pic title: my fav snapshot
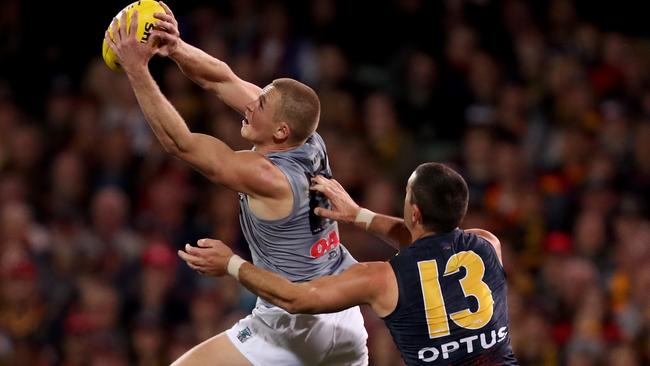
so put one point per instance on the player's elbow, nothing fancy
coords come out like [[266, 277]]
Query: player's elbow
[[169, 145], [178, 146], [177, 150], [182, 147], [171, 148]]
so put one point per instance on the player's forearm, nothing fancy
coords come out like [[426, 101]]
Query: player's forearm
[[199, 66], [214, 75], [391, 229], [166, 123], [276, 289]]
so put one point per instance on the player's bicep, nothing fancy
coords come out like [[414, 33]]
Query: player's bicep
[[242, 171], [257, 176]]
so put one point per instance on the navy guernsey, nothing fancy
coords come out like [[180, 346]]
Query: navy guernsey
[[452, 307]]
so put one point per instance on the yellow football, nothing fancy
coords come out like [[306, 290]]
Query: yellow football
[[146, 10]]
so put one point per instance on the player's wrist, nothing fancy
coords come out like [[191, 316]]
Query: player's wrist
[[137, 71], [176, 50], [234, 264], [364, 218]]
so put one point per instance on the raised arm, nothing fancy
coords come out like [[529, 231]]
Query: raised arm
[[208, 72], [246, 171], [363, 283], [344, 209]]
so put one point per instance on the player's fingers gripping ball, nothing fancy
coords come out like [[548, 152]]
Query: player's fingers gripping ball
[[146, 9]]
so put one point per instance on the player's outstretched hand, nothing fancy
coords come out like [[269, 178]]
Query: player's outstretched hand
[[209, 258], [132, 54], [166, 35], [343, 206]]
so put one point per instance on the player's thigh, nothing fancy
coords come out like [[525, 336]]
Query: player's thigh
[[217, 350]]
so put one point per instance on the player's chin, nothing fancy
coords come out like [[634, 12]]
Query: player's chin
[[245, 132]]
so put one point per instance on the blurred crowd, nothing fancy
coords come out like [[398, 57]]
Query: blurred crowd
[[545, 113]]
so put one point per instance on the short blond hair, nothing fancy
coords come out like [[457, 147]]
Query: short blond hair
[[299, 107]]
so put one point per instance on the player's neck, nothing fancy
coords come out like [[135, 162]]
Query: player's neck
[[420, 232], [271, 148]]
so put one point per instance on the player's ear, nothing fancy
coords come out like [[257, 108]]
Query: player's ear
[[282, 131], [416, 214]]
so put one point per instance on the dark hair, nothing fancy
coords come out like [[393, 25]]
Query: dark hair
[[299, 107], [441, 195]]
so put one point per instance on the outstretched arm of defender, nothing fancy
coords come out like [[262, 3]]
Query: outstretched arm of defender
[[344, 209], [208, 72], [363, 283]]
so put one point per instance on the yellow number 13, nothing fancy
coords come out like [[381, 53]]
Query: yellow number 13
[[472, 285]]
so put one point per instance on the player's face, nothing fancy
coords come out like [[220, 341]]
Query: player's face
[[258, 125]]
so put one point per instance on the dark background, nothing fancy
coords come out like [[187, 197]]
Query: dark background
[[542, 106]]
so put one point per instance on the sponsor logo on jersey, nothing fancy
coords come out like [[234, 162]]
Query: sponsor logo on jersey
[[470, 344], [324, 245]]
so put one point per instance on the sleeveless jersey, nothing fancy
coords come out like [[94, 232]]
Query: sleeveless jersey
[[452, 307], [301, 246]]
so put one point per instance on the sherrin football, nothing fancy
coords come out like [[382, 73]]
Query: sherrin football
[[146, 10]]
